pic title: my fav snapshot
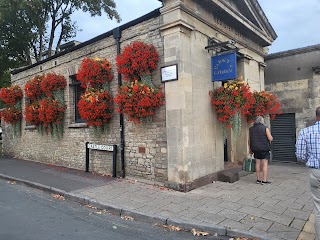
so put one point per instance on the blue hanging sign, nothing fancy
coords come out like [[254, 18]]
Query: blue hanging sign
[[224, 67]]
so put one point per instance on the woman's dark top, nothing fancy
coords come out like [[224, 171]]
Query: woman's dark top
[[258, 138]]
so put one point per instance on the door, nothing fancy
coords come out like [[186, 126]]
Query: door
[[283, 130]]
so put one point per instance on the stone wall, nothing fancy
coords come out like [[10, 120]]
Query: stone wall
[[301, 97], [195, 139], [294, 77], [150, 138]]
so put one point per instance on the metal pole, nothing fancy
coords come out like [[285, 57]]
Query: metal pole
[[114, 161], [87, 157]]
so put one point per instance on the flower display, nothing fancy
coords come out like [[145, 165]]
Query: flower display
[[51, 111], [45, 108], [96, 107], [96, 104], [138, 100], [33, 87], [94, 72], [264, 104], [32, 113], [12, 115], [136, 60], [231, 99], [11, 95], [52, 82]]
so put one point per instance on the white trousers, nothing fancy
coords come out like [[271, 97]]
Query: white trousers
[[315, 191]]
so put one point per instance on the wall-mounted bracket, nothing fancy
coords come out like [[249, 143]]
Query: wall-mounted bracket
[[221, 47]]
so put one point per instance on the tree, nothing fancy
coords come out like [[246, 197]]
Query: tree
[[28, 28]]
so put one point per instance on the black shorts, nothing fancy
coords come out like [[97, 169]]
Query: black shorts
[[262, 155]]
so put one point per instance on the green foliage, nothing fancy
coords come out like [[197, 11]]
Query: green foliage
[[236, 124], [29, 28], [5, 79]]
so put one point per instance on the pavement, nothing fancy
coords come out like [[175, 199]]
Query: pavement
[[281, 210]]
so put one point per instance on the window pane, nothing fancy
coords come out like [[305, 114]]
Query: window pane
[[78, 91]]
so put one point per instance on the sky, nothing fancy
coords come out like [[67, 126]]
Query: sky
[[296, 22]]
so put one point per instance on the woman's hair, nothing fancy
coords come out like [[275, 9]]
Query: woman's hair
[[259, 119]]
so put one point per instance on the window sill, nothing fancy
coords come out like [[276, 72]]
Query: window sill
[[30, 127], [77, 125]]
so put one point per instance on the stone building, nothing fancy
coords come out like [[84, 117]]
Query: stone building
[[183, 146], [294, 77]]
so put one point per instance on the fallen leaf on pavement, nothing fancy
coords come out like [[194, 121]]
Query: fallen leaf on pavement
[[198, 233], [98, 212], [89, 206], [174, 228], [57, 196], [127, 218], [170, 227]]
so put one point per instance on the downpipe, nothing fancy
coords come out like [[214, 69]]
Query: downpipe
[[117, 37]]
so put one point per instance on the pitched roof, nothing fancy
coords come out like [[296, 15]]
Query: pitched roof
[[246, 16]]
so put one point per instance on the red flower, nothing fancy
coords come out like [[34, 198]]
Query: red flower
[[232, 97], [33, 88], [52, 82], [138, 100], [51, 111], [94, 72], [11, 95], [11, 115], [32, 113], [136, 60], [96, 107], [264, 104]]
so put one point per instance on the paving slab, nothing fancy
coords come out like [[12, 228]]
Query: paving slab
[[277, 211]]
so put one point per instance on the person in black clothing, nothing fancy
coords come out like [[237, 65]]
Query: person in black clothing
[[259, 144]]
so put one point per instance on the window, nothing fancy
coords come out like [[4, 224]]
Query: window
[[77, 92], [27, 102]]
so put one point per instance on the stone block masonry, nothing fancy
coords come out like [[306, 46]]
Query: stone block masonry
[[69, 151]]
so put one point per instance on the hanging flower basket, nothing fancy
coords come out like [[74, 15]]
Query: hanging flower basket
[[96, 107], [136, 60], [94, 72], [46, 107], [232, 97], [12, 115], [11, 95], [33, 88], [138, 100], [32, 113], [231, 102], [264, 104], [51, 111], [52, 82], [51, 114]]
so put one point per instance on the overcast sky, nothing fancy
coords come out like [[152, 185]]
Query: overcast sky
[[296, 22]]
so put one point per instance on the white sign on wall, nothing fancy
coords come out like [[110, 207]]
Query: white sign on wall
[[169, 73]]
